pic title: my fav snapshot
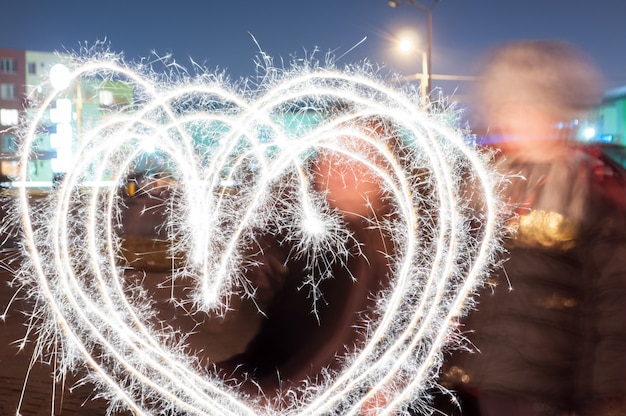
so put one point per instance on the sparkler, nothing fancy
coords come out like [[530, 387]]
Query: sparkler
[[213, 135]]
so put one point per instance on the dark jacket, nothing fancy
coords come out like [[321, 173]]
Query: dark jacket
[[546, 325], [300, 338]]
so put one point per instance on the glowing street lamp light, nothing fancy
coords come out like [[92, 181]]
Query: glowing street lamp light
[[60, 76], [405, 45]]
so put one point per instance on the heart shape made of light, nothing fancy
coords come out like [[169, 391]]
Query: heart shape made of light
[[210, 135]]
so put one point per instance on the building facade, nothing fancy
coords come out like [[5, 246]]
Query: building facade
[[21, 76], [12, 104], [24, 81]]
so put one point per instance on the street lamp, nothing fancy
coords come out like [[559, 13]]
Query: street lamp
[[61, 79], [429, 51], [406, 45]]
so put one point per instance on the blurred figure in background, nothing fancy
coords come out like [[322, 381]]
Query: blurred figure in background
[[301, 341], [547, 330]]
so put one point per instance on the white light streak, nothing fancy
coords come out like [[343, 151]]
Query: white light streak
[[73, 247]]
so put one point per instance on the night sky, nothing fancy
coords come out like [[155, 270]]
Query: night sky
[[220, 34]]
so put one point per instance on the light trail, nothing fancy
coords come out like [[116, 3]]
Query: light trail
[[76, 272]]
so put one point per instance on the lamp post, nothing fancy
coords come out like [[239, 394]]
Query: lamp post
[[429, 50], [406, 45]]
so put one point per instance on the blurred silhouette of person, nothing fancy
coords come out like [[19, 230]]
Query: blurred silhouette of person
[[547, 330], [301, 341]]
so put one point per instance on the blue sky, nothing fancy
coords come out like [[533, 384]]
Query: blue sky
[[220, 34]]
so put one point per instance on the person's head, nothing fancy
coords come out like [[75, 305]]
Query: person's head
[[351, 186], [527, 88]]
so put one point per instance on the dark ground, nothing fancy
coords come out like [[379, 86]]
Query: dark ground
[[29, 385]]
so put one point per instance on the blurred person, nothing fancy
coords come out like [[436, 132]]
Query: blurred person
[[547, 330], [300, 341]]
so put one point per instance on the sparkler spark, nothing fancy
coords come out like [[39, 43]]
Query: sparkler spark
[[212, 136]]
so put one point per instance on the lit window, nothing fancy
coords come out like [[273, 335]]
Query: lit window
[[63, 111], [9, 169], [7, 65], [32, 68], [8, 116], [7, 91], [106, 98], [9, 144]]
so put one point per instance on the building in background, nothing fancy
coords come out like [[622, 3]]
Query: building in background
[[12, 103], [21, 79], [610, 117], [24, 79]]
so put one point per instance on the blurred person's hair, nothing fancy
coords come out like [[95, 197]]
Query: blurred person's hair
[[550, 76]]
